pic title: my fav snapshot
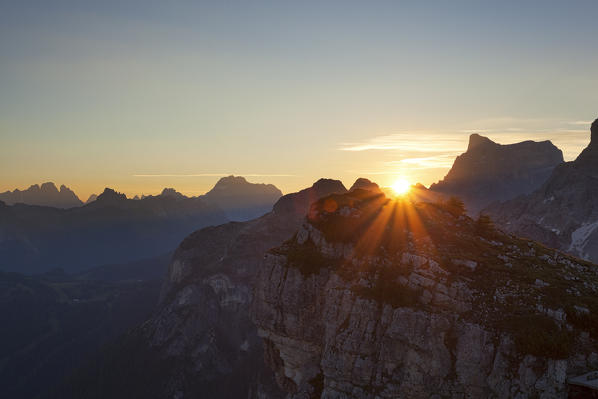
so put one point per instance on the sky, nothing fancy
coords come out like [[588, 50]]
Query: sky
[[141, 95]]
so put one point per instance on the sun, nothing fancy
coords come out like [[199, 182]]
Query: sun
[[400, 187]]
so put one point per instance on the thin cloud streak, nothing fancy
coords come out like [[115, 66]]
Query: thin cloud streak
[[212, 175], [415, 141], [431, 162]]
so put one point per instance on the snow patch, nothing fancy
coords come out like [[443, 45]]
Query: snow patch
[[579, 238]]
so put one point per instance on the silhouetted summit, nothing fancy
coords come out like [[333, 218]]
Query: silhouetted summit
[[476, 140], [45, 195], [240, 199], [590, 154], [490, 172], [365, 184], [299, 203], [110, 196], [171, 192]]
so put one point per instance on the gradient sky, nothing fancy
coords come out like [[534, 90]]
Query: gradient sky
[[139, 95]]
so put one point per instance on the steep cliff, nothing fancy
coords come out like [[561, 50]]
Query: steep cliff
[[563, 212], [200, 341], [383, 299], [489, 172]]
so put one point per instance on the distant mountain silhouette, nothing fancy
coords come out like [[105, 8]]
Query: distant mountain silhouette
[[171, 192], [45, 195], [242, 200], [111, 229], [563, 212], [489, 172]]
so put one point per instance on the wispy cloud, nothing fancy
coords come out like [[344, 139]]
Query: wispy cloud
[[580, 123], [413, 141], [211, 175], [430, 162]]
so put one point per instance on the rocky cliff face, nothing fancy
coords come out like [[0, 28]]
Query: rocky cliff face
[[201, 341], [489, 172], [45, 195], [563, 212], [380, 299]]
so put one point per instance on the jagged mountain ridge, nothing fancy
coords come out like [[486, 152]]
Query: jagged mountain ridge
[[380, 299], [489, 172], [111, 229], [45, 194], [200, 341], [563, 212]]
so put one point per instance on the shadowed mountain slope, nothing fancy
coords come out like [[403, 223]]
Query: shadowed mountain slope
[[53, 323]]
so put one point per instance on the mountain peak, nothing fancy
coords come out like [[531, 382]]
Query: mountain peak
[[329, 186], [365, 184], [232, 179], [109, 195], [299, 203], [476, 140], [48, 187], [45, 194], [240, 199], [589, 156], [171, 192], [489, 171]]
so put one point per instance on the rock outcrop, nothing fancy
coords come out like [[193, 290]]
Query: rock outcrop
[[45, 195], [563, 212], [489, 172], [381, 299], [242, 200]]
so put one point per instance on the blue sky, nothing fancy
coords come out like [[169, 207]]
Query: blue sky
[[141, 95]]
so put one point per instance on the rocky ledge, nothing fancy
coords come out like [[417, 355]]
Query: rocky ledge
[[374, 298]]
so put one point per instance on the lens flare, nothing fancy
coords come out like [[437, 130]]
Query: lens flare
[[401, 187]]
